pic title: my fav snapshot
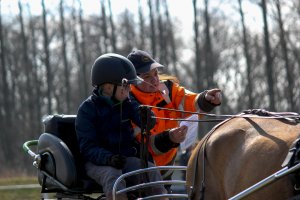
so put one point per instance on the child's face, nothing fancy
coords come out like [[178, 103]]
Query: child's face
[[122, 92]]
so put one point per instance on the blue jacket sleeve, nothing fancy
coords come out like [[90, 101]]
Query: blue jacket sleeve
[[87, 135]]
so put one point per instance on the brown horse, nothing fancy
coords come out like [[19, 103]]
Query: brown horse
[[240, 152]]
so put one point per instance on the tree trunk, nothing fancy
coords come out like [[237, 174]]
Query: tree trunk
[[36, 83], [65, 61], [142, 27], [83, 57], [198, 67], [27, 97], [104, 26], [47, 59], [289, 70], [163, 55], [112, 25], [6, 116], [78, 55], [172, 40], [269, 60], [152, 29], [249, 88], [208, 54]]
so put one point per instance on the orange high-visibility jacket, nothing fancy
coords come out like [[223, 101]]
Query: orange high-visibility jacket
[[171, 95]]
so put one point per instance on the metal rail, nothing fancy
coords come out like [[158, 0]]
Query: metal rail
[[270, 179], [143, 185], [26, 146]]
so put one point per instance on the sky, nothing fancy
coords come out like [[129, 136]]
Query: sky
[[181, 9]]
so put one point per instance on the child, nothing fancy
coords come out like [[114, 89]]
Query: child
[[104, 129]]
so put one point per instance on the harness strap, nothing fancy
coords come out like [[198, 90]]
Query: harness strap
[[204, 157]]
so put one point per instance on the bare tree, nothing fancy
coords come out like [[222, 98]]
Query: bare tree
[[104, 26], [127, 32], [83, 71], [269, 60], [152, 29], [162, 45], [197, 47], [29, 101], [249, 87], [47, 59], [64, 55], [37, 126], [113, 37], [284, 49], [142, 26], [208, 52], [171, 37], [6, 116]]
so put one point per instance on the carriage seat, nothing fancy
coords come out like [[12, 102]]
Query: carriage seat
[[61, 169]]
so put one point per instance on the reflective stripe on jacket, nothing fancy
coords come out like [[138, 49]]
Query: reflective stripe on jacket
[[171, 96]]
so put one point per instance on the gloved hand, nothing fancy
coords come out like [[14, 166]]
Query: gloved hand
[[117, 161]]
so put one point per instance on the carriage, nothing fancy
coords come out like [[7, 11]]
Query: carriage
[[60, 169]]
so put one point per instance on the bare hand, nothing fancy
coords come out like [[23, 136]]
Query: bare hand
[[178, 134], [214, 96]]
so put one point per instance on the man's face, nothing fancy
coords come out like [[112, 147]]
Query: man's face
[[151, 81]]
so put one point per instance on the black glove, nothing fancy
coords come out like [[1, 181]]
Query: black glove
[[147, 116], [117, 161]]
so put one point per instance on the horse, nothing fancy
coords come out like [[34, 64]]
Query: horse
[[241, 151]]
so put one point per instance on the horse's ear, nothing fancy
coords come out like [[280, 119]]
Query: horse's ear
[[293, 156]]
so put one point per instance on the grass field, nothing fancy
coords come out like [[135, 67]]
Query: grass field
[[19, 194], [25, 193]]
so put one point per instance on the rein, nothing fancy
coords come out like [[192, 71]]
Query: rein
[[253, 113]]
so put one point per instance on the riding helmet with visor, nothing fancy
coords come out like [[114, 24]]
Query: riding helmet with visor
[[113, 68]]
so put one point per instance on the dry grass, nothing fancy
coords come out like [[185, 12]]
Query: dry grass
[[19, 194]]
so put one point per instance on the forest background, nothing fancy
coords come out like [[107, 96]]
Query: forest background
[[46, 57]]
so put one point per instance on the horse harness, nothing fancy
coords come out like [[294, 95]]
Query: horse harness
[[293, 156]]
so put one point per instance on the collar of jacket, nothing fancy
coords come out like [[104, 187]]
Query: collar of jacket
[[158, 98], [110, 101], [148, 98]]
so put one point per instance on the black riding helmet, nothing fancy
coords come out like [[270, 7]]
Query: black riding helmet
[[113, 68]]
